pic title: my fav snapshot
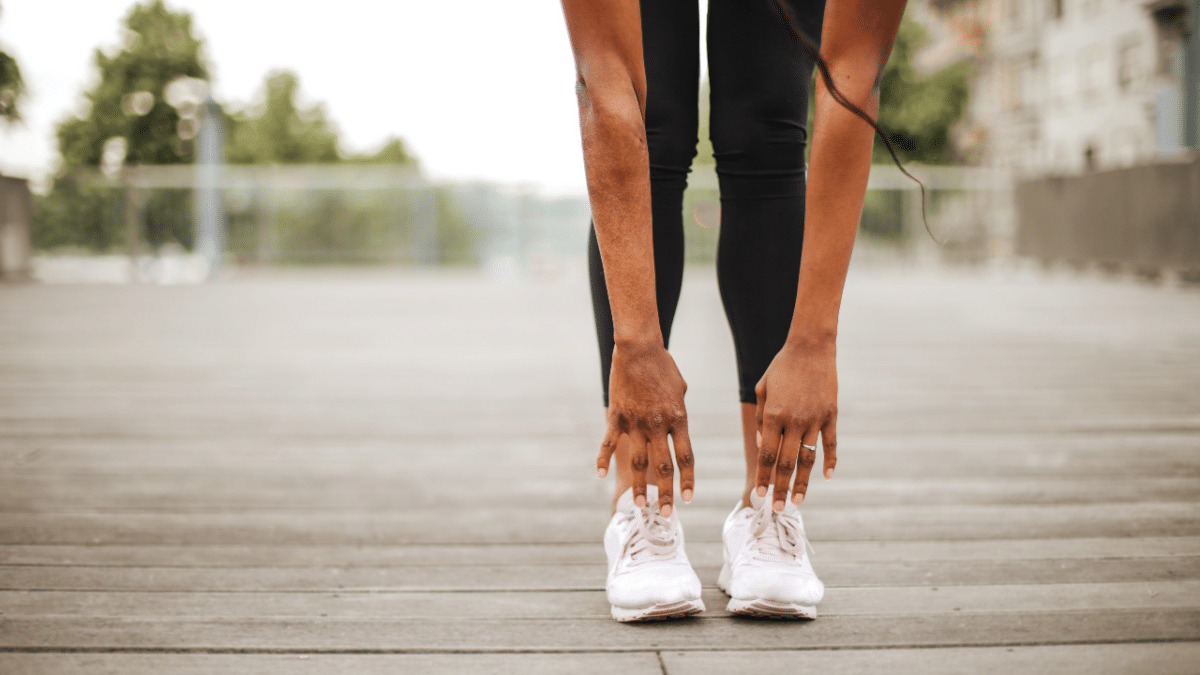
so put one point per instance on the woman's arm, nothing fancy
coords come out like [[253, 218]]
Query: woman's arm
[[797, 397], [645, 387]]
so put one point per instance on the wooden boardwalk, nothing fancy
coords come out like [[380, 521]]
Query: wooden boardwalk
[[370, 472]]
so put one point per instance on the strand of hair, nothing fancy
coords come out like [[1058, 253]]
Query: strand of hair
[[809, 47]]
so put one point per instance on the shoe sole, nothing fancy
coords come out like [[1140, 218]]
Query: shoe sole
[[670, 610], [770, 609], [762, 607]]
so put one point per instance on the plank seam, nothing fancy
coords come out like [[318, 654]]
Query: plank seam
[[418, 650]]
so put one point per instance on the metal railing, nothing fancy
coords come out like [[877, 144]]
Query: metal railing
[[370, 214]]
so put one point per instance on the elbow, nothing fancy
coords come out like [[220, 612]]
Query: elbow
[[605, 90]]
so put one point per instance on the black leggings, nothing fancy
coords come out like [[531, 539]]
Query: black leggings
[[759, 83]]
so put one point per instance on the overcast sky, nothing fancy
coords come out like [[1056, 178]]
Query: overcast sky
[[478, 88]]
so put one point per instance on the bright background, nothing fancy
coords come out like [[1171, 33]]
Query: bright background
[[478, 89]]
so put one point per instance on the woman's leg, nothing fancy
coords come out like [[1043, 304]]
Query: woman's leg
[[760, 83], [671, 48]]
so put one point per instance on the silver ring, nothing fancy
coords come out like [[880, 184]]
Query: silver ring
[[810, 447]]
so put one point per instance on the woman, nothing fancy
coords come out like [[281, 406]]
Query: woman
[[781, 267]]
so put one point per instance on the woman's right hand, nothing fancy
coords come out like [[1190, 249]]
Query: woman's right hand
[[645, 403]]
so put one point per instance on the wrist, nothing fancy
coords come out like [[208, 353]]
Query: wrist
[[810, 338], [639, 341]]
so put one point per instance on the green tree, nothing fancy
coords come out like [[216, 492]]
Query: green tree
[[280, 132], [394, 151], [127, 101], [127, 104], [918, 111], [12, 88]]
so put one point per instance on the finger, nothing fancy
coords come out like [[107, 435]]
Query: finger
[[607, 447], [685, 460], [768, 454], [789, 452], [808, 455], [829, 444], [664, 470], [760, 392], [637, 464]]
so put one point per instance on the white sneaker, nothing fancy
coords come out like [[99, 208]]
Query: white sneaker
[[649, 576], [766, 570]]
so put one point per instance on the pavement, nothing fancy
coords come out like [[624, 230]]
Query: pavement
[[382, 471]]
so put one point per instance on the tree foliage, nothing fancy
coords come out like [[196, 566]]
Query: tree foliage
[[129, 103], [158, 48], [12, 88], [279, 131], [918, 111]]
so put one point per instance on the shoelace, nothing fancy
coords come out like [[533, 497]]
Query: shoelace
[[653, 538], [777, 535]]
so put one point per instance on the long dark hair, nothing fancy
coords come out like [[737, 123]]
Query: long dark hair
[[810, 48]]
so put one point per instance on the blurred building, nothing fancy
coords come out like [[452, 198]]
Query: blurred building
[[1068, 86]]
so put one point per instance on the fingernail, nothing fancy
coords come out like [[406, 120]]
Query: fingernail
[[640, 500], [665, 511], [798, 498], [758, 439], [828, 474], [762, 491], [778, 506], [601, 473], [687, 495]]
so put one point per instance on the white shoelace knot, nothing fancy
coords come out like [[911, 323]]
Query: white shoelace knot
[[777, 536], [652, 537]]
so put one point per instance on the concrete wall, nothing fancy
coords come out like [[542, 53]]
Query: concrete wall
[[1147, 216], [16, 228]]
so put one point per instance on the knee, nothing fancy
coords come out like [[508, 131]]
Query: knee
[[671, 136], [760, 135]]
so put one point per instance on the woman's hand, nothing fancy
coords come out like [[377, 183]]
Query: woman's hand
[[646, 404], [797, 398]]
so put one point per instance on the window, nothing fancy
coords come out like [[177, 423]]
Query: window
[[1129, 63]]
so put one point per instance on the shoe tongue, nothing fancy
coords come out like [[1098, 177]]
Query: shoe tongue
[[625, 502]]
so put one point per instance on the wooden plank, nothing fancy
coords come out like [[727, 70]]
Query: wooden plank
[[525, 524], [644, 663], [831, 552], [1159, 658], [321, 634], [579, 576], [864, 601], [1178, 658], [218, 450], [190, 492], [1164, 659]]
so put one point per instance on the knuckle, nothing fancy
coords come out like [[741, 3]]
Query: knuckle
[[639, 463], [665, 469], [686, 460], [785, 466], [767, 459]]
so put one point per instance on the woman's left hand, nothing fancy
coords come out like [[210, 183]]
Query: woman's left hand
[[797, 399]]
